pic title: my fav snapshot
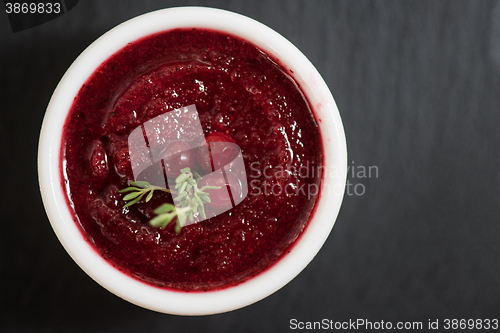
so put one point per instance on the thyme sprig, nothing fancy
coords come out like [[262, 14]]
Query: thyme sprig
[[191, 199], [138, 190], [166, 213]]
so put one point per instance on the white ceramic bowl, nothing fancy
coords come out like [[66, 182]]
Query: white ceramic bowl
[[192, 303]]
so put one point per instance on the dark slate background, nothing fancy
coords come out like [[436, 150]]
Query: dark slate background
[[417, 85]]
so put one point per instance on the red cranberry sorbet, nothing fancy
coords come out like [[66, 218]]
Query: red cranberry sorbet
[[238, 90]]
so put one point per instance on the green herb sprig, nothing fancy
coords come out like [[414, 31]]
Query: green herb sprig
[[166, 213], [138, 190], [191, 199]]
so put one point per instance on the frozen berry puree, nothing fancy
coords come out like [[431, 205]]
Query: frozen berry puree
[[242, 96]]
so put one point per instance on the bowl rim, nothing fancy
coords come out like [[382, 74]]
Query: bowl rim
[[165, 300]]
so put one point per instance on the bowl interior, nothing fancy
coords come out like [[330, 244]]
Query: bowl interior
[[256, 288]]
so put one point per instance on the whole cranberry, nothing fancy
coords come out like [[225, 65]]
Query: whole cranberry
[[177, 156], [98, 159], [218, 150], [230, 188]]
